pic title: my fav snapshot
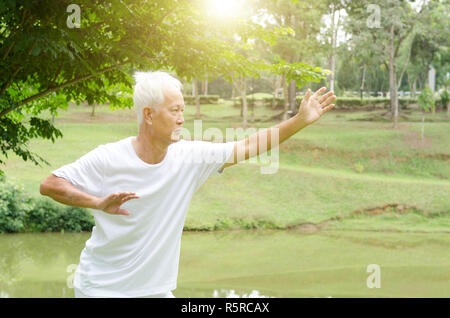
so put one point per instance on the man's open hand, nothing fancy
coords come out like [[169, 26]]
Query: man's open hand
[[315, 105], [111, 203]]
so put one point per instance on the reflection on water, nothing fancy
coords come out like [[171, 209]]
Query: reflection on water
[[251, 264], [225, 293], [35, 264]]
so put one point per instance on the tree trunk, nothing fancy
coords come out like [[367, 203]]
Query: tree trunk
[[286, 98], [411, 85], [392, 80], [252, 107], [363, 79], [197, 99], [292, 97], [420, 86], [413, 91], [233, 90], [334, 30], [432, 78], [404, 68], [244, 101], [93, 110], [332, 62], [277, 86], [205, 86], [332, 67]]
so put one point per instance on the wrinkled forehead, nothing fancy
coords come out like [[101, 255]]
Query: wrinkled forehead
[[172, 96]]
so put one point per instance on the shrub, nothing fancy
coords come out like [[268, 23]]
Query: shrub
[[45, 216], [204, 99], [356, 102], [445, 98], [344, 102], [50, 216], [77, 219], [426, 100], [13, 207], [404, 102], [340, 102], [20, 213], [275, 102]]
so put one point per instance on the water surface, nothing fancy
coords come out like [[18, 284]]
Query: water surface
[[252, 264]]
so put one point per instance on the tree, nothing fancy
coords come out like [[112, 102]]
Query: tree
[[45, 63], [335, 10], [302, 18], [300, 73], [387, 27], [430, 43]]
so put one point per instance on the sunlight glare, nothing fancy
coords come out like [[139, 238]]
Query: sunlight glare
[[224, 8]]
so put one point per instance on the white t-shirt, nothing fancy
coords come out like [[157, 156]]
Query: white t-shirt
[[138, 255]]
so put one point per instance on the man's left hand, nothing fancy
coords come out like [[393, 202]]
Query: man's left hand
[[315, 105]]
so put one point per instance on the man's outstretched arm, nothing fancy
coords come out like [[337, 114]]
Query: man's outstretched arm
[[64, 192], [313, 106]]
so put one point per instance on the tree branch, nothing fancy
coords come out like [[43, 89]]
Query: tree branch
[[401, 40], [22, 22], [55, 88], [404, 67], [6, 85], [52, 81], [155, 26], [418, 15], [51, 89]]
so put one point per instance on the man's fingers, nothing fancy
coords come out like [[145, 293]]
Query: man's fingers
[[307, 95], [127, 193], [319, 91], [121, 195], [324, 97], [123, 212], [325, 109], [329, 100], [129, 197]]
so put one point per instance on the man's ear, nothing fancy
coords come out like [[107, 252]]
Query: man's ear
[[148, 113]]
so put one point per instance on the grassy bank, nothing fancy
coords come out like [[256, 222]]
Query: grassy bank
[[345, 162]]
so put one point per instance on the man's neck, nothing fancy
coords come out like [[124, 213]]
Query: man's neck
[[149, 149]]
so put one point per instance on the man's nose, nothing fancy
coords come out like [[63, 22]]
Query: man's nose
[[180, 120]]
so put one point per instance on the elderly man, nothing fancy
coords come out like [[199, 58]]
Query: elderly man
[[139, 189]]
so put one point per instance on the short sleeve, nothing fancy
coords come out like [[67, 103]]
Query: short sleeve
[[210, 157], [86, 173]]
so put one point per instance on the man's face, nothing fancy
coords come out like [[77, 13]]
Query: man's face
[[168, 120]]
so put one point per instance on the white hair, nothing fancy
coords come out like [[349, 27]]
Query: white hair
[[149, 90]]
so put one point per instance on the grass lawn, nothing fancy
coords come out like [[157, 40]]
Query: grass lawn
[[345, 162]]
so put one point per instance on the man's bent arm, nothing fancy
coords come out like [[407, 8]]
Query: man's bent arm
[[64, 192]]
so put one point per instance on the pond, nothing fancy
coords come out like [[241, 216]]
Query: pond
[[253, 264]]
